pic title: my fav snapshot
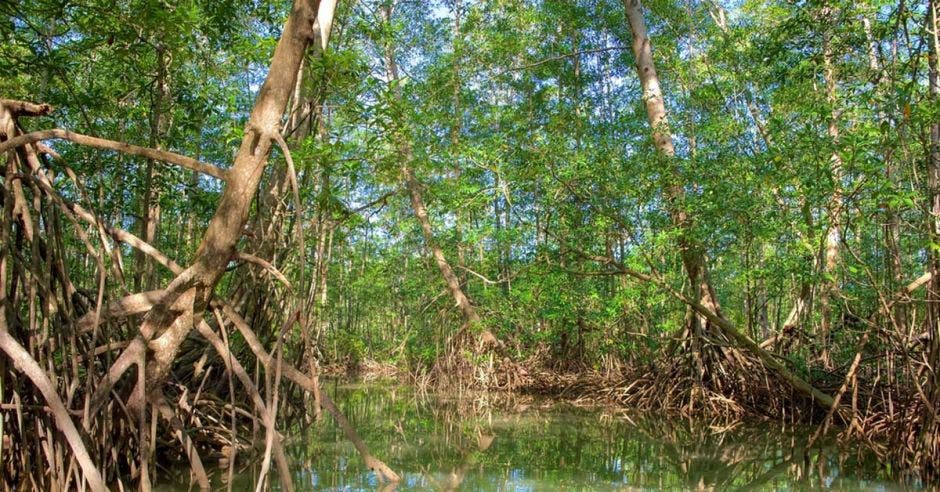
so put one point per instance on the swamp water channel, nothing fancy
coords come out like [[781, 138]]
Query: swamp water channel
[[463, 442]]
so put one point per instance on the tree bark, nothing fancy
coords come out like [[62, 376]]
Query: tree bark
[[691, 251], [833, 237]]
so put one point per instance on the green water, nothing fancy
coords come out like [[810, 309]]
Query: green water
[[443, 442]]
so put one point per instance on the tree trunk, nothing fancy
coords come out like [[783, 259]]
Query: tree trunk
[[305, 112], [691, 251], [930, 433], [420, 210], [150, 205], [833, 237]]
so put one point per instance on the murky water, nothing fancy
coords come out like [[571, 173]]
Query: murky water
[[445, 443]]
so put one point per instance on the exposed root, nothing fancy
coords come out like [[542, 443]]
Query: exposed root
[[86, 417]]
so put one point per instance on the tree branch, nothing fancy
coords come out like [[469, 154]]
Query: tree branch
[[26, 108], [126, 148]]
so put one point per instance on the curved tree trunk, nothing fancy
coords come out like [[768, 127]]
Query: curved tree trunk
[[706, 312], [172, 319]]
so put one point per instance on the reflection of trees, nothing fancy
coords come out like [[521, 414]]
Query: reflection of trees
[[454, 479], [486, 442], [747, 457]]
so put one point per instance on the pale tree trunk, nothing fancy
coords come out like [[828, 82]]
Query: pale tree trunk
[[706, 311], [414, 186], [304, 110], [832, 252], [269, 227], [326, 12], [691, 251], [185, 299]]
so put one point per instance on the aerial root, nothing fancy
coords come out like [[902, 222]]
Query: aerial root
[[104, 430]]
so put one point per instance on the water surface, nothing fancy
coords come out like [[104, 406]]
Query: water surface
[[446, 442]]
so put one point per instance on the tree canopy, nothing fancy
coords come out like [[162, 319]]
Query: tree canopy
[[692, 191]]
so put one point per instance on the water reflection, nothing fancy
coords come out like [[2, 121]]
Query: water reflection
[[446, 443]]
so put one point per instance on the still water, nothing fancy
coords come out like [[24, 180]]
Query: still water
[[446, 442]]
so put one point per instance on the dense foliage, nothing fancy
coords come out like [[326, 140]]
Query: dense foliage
[[803, 137]]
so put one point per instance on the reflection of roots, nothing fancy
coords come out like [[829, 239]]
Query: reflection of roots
[[706, 377]]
